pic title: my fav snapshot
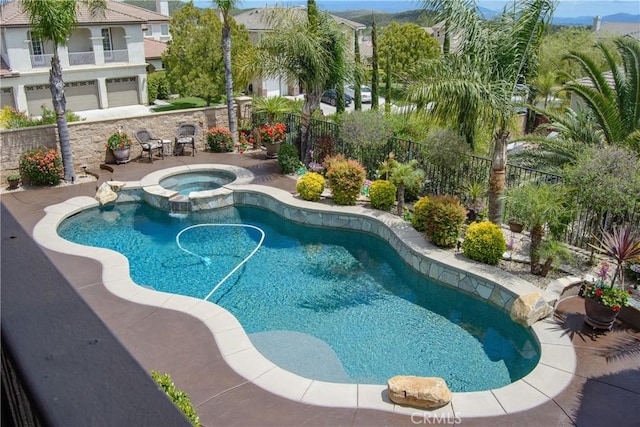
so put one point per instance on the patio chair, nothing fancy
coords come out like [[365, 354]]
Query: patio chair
[[186, 135], [149, 143]]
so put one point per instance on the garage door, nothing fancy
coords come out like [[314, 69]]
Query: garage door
[[6, 97], [37, 96], [80, 96], [121, 92]]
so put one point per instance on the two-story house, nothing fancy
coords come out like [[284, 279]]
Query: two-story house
[[257, 24], [103, 63]]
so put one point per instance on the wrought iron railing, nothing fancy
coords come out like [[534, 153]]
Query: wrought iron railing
[[452, 180]]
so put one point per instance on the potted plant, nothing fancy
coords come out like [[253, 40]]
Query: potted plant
[[120, 144], [13, 180], [272, 136], [602, 302]]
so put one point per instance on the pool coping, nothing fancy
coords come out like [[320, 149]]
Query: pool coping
[[551, 375]]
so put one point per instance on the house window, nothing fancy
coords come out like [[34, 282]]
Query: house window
[[36, 46], [107, 45], [164, 29], [148, 30]]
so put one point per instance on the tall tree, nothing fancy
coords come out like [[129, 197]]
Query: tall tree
[[225, 7], [301, 51], [406, 45], [357, 74], [54, 21], [374, 66], [194, 58], [477, 83]]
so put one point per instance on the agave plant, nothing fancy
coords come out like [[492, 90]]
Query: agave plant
[[623, 245]]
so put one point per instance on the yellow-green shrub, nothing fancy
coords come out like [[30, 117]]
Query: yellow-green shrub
[[419, 218], [382, 194], [484, 242], [310, 186], [345, 179], [178, 397], [444, 219]]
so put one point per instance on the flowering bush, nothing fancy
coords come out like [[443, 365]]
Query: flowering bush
[[41, 166], [345, 179], [244, 140], [119, 141], [219, 140], [484, 242], [614, 298], [272, 133]]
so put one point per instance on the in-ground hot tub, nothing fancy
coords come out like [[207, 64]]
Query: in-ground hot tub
[[194, 187]]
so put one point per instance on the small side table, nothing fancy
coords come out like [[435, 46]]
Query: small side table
[[166, 147]]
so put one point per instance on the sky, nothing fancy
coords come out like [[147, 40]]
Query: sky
[[566, 8]]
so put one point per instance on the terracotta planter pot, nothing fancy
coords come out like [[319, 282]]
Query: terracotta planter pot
[[597, 315], [13, 183]]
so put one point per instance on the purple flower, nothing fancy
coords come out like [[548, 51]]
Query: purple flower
[[604, 269], [511, 243]]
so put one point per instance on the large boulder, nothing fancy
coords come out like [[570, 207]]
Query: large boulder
[[105, 194], [421, 392], [528, 309]]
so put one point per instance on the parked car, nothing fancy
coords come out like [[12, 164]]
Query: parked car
[[365, 92], [330, 96]]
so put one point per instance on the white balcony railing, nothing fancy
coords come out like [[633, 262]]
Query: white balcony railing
[[116, 56], [81, 58], [38, 61]]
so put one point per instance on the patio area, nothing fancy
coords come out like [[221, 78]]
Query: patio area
[[604, 391]]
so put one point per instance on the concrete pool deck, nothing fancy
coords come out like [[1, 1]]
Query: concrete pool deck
[[224, 398]]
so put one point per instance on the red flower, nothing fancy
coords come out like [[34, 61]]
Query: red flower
[[616, 307], [599, 292]]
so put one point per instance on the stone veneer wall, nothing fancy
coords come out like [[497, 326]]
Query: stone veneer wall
[[88, 137]]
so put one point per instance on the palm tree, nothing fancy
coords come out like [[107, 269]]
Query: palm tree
[[616, 109], [302, 51], [476, 84], [54, 21], [403, 175], [225, 7]]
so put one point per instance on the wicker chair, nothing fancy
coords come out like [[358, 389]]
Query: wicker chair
[[149, 143], [186, 135]]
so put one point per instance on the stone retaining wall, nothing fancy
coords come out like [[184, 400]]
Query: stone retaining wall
[[88, 137]]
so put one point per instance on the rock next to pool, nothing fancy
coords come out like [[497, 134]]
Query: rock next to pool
[[530, 308], [421, 392]]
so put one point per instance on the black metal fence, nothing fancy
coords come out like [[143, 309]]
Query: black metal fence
[[451, 179]]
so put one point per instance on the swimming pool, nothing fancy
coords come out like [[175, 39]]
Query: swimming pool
[[318, 288]]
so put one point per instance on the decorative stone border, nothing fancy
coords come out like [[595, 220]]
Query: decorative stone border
[[552, 374]]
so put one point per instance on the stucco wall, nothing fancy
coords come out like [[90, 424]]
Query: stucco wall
[[88, 138]]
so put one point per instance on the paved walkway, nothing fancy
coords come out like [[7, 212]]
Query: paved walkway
[[602, 393]]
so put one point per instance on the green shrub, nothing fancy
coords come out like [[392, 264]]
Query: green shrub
[[10, 118], [310, 186], [484, 242], [157, 86], [382, 194], [419, 217], [179, 397], [345, 179], [219, 140], [445, 217], [41, 166], [288, 159]]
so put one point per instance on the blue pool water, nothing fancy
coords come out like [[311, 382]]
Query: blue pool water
[[329, 304], [185, 183]]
